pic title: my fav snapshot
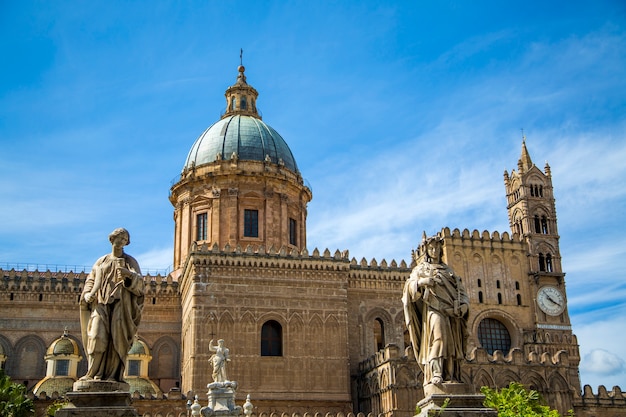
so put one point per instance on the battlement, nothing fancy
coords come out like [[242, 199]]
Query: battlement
[[62, 281], [479, 237], [615, 397]]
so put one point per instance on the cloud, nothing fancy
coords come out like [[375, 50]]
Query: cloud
[[156, 260], [603, 362], [602, 342]]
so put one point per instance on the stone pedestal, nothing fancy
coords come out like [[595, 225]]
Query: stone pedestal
[[222, 400], [98, 399], [453, 400]]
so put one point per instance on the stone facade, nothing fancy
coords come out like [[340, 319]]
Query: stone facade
[[315, 332]]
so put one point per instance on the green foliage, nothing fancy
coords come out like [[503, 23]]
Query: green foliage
[[13, 401], [57, 405], [515, 401]]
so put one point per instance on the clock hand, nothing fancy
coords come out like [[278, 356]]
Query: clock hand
[[553, 302]]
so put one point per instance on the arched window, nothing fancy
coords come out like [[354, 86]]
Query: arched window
[[379, 334], [517, 285], [537, 224], [519, 300], [542, 262], [544, 225], [493, 335], [271, 339], [499, 298], [233, 102], [480, 297], [541, 191], [498, 283], [242, 103], [480, 284], [549, 263], [532, 191]]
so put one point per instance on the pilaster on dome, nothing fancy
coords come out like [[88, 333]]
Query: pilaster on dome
[[241, 97]]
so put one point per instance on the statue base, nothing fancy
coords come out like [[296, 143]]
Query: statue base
[[97, 398], [222, 400], [452, 400]]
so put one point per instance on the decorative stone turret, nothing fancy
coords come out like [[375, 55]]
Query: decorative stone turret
[[62, 359], [241, 97]]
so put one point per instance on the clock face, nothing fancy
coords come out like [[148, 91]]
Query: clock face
[[551, 300]]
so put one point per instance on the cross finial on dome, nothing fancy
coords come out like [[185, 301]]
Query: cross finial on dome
[[241, 97]]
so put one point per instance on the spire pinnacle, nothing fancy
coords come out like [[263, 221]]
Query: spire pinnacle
[[525, 162]]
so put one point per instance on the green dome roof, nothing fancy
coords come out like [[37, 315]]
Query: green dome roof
[[63, 346], [248, 137], [241, 131], [137, 348]]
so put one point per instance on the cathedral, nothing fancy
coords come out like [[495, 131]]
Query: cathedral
[[309, 331]]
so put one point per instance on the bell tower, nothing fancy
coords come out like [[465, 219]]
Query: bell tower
[[532, 216]]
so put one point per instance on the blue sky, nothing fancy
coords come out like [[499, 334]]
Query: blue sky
[[402, 116]]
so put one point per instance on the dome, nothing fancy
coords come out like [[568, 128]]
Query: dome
[[248, 137], [138, 348], [64, 345]]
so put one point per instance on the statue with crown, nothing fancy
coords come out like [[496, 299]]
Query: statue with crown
[[436, 309]]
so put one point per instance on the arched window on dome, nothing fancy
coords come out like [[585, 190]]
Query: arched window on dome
[[250, 223], [201, 226], [242, 103], [293, 232], [493, 335], [271, 339], [233, 103]]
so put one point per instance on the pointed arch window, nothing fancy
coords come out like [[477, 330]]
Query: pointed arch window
[[542, 262], [549, 263], [379, 334], [271, 339], [544, 225]]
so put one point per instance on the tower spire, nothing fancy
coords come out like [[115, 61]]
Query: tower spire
[[524, 161]]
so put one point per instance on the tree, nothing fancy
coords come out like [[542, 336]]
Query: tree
[[515, 401], [13, 401]]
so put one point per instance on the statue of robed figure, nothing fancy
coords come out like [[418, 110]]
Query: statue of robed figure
[[110, 306], [436, 309]]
